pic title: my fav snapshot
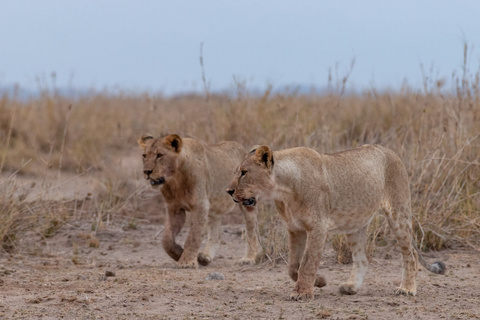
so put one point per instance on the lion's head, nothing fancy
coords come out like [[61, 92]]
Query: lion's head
[[160, 157], [253, 178]]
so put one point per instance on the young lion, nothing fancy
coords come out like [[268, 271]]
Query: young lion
[[319, 193], [192, 177]]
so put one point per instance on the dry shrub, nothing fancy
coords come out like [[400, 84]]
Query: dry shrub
[[339, 244]]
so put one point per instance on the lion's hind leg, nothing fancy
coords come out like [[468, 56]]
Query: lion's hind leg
[[400, 223], [398, 209], [356, 242], [213, 239]]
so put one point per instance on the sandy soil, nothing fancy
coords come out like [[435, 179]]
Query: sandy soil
[[62, 277], [67, 279]]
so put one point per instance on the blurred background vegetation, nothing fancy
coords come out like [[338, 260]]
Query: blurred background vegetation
[[434, 130]]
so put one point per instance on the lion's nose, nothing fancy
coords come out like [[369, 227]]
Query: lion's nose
[[148, 172], [230, 192]]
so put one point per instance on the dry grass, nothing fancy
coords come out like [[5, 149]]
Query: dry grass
[[435, 132], [20, 217]]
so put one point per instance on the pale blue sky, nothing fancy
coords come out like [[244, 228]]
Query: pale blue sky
[[154, 45]]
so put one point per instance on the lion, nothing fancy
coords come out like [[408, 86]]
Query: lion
[[340, 192], [192, 177]]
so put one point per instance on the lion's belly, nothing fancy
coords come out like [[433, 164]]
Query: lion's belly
[[348, 222], [353, 211], [352, 206]]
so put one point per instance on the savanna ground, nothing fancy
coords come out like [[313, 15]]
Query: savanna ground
[[74, 205]]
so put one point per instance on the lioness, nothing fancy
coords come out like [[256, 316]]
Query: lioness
[[192, 177], [340, 192]]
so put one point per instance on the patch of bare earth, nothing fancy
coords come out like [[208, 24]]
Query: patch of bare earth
[[69, 280]]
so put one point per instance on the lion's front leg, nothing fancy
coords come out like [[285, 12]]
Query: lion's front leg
[[252, 246], [296, 249], [173, 225], [307, 279], [198, 222]]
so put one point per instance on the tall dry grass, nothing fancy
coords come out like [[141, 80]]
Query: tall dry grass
[[435, 131]]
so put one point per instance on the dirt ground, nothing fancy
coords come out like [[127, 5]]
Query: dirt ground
[[67, 280], [129, 276]]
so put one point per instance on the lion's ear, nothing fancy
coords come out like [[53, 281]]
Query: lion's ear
[[264, 156], [174, 142], [254, 148], [143, 141]]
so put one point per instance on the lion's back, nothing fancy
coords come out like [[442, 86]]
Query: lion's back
[[222, 159], [225, 154]]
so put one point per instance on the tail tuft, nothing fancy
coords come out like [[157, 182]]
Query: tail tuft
[[438, 267]]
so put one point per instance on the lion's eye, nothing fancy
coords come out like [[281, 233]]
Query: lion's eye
[[144, 156], [159, 155], [243, 173]]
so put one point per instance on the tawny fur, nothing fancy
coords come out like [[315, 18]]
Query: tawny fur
[[320, 193], [192, 177]]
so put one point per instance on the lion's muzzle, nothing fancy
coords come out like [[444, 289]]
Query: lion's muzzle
[[231, 192], [250, 202]]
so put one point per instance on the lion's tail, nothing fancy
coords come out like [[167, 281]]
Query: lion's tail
[[436, 267]]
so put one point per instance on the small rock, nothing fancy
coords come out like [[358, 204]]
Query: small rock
[[109, 273], [215, 276]]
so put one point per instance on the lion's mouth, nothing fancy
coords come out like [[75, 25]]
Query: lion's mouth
[[157, 182], [251, 202]]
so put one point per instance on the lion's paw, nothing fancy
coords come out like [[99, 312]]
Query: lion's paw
[[246, 261], [187, 264], [204, 259], [301, 296], [347, 289], [405, 292]]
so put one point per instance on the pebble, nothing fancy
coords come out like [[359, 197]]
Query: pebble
[[215, 276]]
